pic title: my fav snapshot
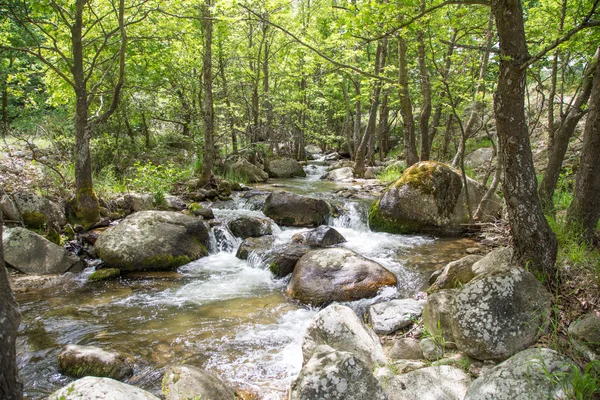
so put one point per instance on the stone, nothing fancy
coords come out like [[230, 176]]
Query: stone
[[456, 273], [204, 212], [499, 314], [495, 261], [284, 168], [134, 202], [587, 330], [406, 349], [332, 157], [372, 172], [431, 350], [313, 149], [93, 388], [339, 327], [531, 374], [259, 245], [339, 174], [432, 383], [174, 203], [153, 240], [243, 168], [93, 235], [323, 236], [79, 361], [437, 316], [336, 274], [479, 158], [429, 197], [335, 375], [246, 226], [32, 254], [341, 164], [290, 209], [34, 211], [104, 274], [389, 316], [285, 259], [184, 382]]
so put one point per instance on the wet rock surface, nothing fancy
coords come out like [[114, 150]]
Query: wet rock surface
[[290, 209], [188, 382], [79, 361]]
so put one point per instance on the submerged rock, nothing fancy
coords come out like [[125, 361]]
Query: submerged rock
[[30, 253], [323, 236], [389, 316], [93, 388], [187, 382], [104, 274], [79, 361], [429, 197], [339, 327], [336, 274], [290, 209], [284, 168], [532, 374], [432, 383], [245, 227], [153, 240], [336, 375]]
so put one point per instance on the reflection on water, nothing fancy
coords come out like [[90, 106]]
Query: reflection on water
[[219, 313]]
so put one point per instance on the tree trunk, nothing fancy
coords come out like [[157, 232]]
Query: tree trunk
[[5, 97], [408, 122], [348, 122], [384, 127], [208, 115], [425, 92], [561, 136], [584, 211], [535, 243], [357, 115], [447, 136], [11, 387], [437, 113]]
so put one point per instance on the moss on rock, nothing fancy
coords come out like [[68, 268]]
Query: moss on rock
[[34, 219], [165, 261], [104, 274]]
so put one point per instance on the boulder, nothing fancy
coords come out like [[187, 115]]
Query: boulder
[[587, 330], [338, 326], [187, 382], [313, 149], [336, 274], [204, 212], [456, 273], [341, 164], [495, 261], [30, 253], [335, 375], [79, 361], [35, 211], [285, 259], [430, 349], [479, 158], [323, 236], [243, 168], [406, 349], [429, 198], [332, 157], [153, 240], [499, 314], [290, 209], [339, 174], [104, 274], [174, 203], [284, 168], [437, 316], [246, 226], [135, 202], [532, 374], [389, 316], [259, 245], [432, 383], [93, 388]]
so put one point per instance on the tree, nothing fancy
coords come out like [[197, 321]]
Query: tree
[[11, 387], [209, 117]]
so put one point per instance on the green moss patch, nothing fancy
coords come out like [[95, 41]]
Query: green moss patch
[[104, 274], [380, 223], [165, 261], [34, 219]]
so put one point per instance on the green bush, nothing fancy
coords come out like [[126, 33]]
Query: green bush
[[156, 179]]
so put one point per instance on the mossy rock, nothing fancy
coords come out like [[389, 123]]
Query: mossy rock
[[34, 219], [79, 361], [104, 274]]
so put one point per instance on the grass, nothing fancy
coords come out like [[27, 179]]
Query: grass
[[390, 174]]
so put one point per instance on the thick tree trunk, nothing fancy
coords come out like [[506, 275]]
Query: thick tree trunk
[[408, 122], [561, 136], [10, 385], [425, 92], [208, 115], [384, 127], [535, 243], [357, 115], [585, 207]]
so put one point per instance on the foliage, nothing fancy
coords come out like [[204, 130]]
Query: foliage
[[156, 179], [390, 174]]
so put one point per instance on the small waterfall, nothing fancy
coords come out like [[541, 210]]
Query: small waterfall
[[314, 172], [354, 217], [224, 239]]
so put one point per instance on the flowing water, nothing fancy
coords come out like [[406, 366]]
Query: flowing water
[[220, 313]]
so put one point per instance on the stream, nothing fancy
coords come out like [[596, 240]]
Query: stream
[[223, 314]]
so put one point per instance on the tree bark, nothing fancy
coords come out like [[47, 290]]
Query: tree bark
[[584, 211], [534, 242], [408, 122], [383, 129], [11, 387], [357, 115], [437, 113], [563, 133], [425, 92], [208, 115]]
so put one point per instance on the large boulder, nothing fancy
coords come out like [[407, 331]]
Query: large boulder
[[429, 197], [135, 202], [499, 314], [245, 169], [285, 259], [246, 226], [290, 209], [153, 240], [336, 274], [30, 253], [587, 330], [389, 316], [433, 383], [93, 388], [284, 168], [479, 158], [259, 245], [336, 375], [187, 382], [339, 327], [35, 211], [323, 236], [532, 374], [79, 361], [340, 174]]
